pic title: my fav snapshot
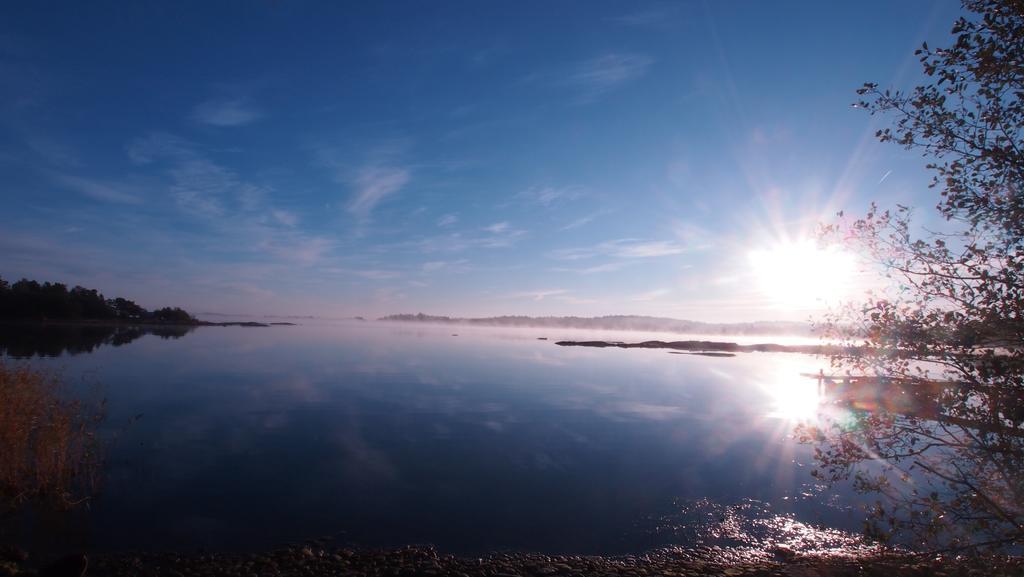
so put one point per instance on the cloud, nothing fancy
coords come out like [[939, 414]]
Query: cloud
[[647, 249], [366, 273], [537, 295], [501, 235], [285, 217], [301, 250], [251, 197], [158, 145], [375, 274], [600, 76], [199, 185], [599, 268], [226, 113], [693, 236], [447, 220], [48, 256], [626, 248], [54, 152], [549, 195], [388, 295], [650, 295], [460, 265], [657, 16], [582, 221], [496, 237], [373, 184], [99, 190]]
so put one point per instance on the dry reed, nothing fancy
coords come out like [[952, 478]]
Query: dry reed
[[49, 450]]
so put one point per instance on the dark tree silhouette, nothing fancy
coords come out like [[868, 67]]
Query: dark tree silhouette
[[172, 315], [30, 300], [949, 334], [126, 309]]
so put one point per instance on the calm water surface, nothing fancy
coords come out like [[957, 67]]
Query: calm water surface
[[385, 434]]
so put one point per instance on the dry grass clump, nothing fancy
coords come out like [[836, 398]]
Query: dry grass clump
[[48, 446]]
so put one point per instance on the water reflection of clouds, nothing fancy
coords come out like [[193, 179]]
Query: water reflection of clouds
[[341, 426]]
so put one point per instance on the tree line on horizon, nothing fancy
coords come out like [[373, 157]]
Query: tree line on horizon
[[32, 300]]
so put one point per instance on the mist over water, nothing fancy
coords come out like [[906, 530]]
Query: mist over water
[[469, 438]]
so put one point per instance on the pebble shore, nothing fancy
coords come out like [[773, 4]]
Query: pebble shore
[[315, 560]]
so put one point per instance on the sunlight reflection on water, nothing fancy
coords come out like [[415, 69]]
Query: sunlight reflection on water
[[755, 530], [392, 434]]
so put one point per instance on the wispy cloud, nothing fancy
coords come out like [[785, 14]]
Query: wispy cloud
[[595, 269], [693, 236], [660, 15], [100, 190], [55, 153], [373, 184], [497, 235], [500, 235], [285, 217], [460, 265], [157, 145], [537, 295], [376, 274], [199, 185], [597, 77], [621, 248], [447, 220], [549, 195], [226, 113], [647, 249], [560, 295], [388, 295], [651, 295], [582, 221], [369, 273], [300, 250]]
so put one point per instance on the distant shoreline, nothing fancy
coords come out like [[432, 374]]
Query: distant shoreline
[[136, 323]]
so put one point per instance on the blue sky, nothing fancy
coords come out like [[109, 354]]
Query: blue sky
[[462, 158]]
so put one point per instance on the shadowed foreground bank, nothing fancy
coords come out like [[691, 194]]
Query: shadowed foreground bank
[[314, 559]]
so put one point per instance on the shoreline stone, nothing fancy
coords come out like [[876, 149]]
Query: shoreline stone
[[315, 558]]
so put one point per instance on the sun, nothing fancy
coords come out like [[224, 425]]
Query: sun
[[801, 274]]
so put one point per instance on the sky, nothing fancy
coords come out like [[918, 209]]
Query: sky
[[459, 158]]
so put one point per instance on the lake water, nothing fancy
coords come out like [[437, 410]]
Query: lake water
[[381, 434]]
